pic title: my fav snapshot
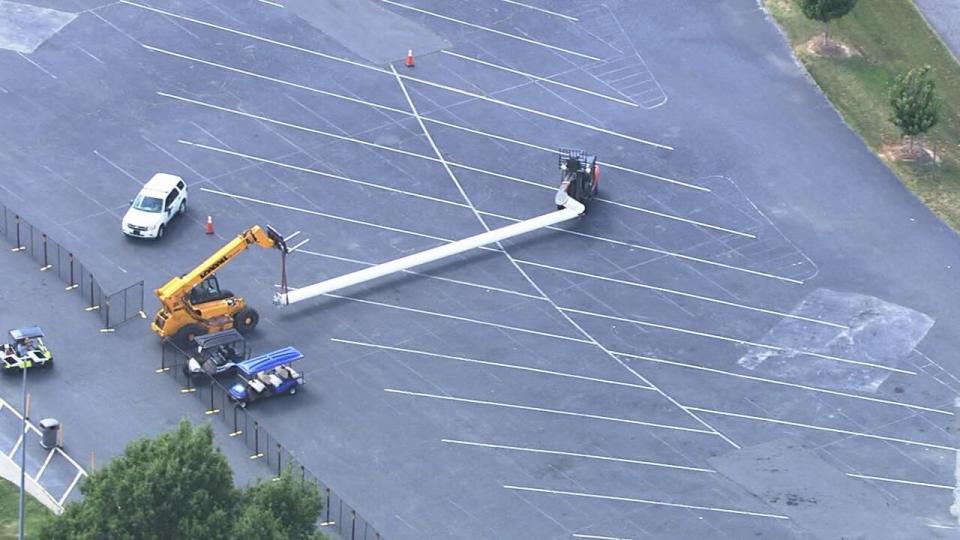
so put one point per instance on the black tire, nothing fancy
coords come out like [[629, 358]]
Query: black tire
[[183, 208], [184, 336], [160, 231], [293, 390], [246, 320]]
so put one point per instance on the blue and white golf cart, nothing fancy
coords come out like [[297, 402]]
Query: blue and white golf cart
[[267, 375]]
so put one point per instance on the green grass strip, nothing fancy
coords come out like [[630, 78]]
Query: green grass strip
[[891, 36]]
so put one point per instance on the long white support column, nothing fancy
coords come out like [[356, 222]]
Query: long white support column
[[571, 209]]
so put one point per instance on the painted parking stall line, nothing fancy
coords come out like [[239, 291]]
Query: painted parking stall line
[[551, 411], [579, 455], [645, 501], [490, 363]]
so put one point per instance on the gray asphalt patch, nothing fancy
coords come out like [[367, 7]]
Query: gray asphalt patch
[[795, 482]]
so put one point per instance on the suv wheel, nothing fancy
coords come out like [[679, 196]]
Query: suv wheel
[[183, 208], [160, 231]]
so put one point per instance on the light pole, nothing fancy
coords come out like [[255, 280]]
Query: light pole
[[23, 446]]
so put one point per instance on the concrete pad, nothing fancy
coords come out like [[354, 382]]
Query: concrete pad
[[24, 27], [880, 332], [368, 30]]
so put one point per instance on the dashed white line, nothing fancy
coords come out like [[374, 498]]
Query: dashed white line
[[427, 276], [740, 341], [539, 78], [579, 455], [493, 31], [551, 411], [541, 10], [682, 293], [646, 501], [822, 428], [900, 481], [318, 173], [783, 383], [490, 363]]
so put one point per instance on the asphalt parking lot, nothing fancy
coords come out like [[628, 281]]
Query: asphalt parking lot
[[753, 286]]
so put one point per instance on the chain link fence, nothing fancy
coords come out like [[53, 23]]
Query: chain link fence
[[114, 309], [337, 515]]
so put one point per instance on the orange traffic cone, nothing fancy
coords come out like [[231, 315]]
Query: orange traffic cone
[[409, 62], [209, 224]]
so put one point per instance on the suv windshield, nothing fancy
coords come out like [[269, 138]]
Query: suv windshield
[[148, 204]]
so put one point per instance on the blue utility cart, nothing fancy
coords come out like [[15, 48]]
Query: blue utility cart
[[267, 375]]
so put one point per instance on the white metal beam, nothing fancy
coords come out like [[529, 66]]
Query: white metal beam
[[571, 209]]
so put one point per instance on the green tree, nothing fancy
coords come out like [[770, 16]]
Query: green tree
[[915, 104], [175, 486], [283, 508], [826, 10], [179, 485]]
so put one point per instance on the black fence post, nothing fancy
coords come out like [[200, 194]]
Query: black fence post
[[46, 259], [93, 304], [73, 282], [353, 524], [326, 521], [236, 428], [213, 408], [257, 454], [19, 246], [106, 314]]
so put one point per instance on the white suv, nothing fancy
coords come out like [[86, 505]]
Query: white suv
[[162, 198]]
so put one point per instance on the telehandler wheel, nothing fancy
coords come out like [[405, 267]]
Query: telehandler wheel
[[246, 320], [184, 337]]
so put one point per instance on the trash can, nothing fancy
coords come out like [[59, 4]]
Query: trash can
[[49, 433]]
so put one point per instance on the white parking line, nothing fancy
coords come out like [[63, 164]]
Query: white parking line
[[551, 411], [487, 248], [740, 341], [539, 78], [821, 428], [322, 214], [783, 383], [579, 455], [448, 88], [489, 363], [598, 537], [646, 501], [677, 218], [683, 294], [318, 173], [427, 276], [457, 318], [899, 481], [429, 158], [540, 9], [408, 113], [493, 31], [274, 4], [661, 252]]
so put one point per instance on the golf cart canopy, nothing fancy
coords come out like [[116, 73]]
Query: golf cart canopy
[[27, 332], [271, 360], [216, 339]]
